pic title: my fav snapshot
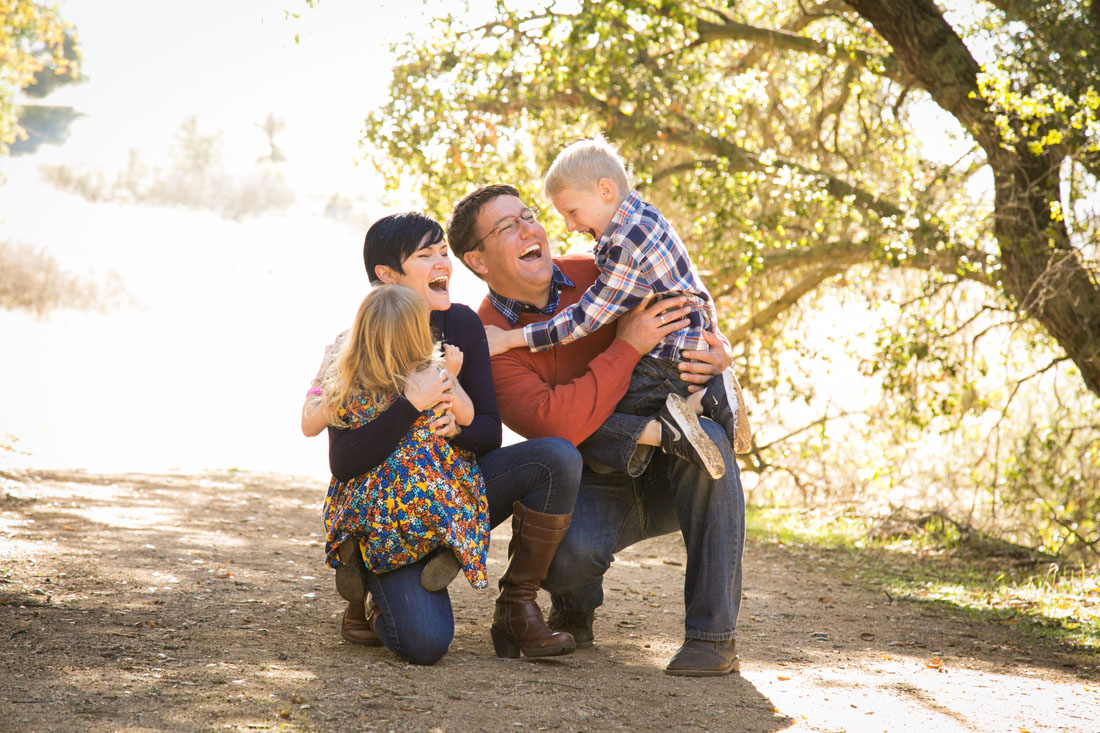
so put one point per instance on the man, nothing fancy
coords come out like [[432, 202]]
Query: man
[[571, 390]]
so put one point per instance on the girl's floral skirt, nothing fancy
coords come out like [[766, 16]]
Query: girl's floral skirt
[[428, 493]]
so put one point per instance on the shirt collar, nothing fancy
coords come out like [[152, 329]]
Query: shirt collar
[[511, 309], [630, 204]]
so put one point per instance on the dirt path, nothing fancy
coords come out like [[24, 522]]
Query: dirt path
[[172, 602]]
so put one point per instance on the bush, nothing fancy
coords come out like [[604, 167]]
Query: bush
[[30, 279]]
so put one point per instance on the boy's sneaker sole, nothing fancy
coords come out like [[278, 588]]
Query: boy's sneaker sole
[[684, 437], [720, 403]]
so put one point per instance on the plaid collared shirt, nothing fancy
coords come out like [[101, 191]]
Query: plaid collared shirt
[[639, 254], [511, 309]]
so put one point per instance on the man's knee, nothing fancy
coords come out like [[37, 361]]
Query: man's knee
[[577, 562]]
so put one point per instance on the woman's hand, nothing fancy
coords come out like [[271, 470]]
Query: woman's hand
[[429, 387], [501, 340], [452, 358]]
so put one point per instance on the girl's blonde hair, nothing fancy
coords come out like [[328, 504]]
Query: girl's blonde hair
[[581, 165], [390, 340]]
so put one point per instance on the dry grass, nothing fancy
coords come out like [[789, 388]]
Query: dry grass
[[32, 280]]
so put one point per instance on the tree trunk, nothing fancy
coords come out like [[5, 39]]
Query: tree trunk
[[1041, 271]]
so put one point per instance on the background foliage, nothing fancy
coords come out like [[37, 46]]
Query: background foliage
[[38, 49], [915, 332]]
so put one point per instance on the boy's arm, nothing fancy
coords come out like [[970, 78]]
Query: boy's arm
[[619, 287]]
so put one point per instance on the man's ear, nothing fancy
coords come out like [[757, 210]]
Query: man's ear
[[475, 262], [385, 273]]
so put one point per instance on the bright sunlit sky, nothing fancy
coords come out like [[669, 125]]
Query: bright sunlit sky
[[151, 64]]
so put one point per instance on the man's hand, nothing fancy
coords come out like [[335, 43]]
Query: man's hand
[[649, 322], [698, 367], [428, 388], [501, 340]]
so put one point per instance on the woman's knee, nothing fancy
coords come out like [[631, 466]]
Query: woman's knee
[[557, 487], [424, 646], [562, 456]]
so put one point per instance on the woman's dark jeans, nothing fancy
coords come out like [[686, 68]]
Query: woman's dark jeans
[[542, 474]]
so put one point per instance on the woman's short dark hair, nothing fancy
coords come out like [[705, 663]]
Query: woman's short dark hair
[[391, 240]]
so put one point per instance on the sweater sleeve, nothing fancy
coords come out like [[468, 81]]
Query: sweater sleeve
[[535, 407], [355, 451], [465, 331]]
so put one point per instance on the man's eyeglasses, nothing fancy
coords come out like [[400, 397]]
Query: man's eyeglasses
[[529, 215]]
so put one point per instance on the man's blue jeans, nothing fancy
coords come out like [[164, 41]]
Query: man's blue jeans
[[542, 474], [651, 494]]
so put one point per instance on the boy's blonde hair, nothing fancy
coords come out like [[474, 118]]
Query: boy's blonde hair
[[390, 340], [582, 164]]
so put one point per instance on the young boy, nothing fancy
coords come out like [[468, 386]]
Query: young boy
[[639, 254]]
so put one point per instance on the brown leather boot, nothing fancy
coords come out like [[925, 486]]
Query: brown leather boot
[[357, 626], [517, 619]]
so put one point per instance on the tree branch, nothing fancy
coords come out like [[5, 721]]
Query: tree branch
[[847, 253], [784, 302], [788, 41]]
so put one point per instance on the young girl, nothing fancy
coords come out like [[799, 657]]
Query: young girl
[[428, 493]]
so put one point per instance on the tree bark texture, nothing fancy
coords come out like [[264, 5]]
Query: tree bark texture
[[1041, 271]]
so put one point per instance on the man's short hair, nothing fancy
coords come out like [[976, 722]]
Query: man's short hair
[[581, 165], [462, 228], [391, 240]]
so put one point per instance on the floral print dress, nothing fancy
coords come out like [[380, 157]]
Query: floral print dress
[[427, 493]]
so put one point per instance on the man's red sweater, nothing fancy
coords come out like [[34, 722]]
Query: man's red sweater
[[567, 391]]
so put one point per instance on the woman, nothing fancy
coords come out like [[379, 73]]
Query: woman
[[534, 481]]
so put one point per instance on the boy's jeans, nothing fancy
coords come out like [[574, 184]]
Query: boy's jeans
[[614, 445]]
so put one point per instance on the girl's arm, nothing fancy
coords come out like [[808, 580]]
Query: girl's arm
[[464, 330], [314, 419], [463, 406]]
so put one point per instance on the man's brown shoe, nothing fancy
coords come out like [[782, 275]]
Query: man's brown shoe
[[698, 658], [357, 626], [576, 623]]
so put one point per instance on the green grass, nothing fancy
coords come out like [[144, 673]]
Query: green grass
[[1042, 600]]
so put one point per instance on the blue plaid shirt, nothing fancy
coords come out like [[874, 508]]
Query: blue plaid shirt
[[511, 309], [639, 254]]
